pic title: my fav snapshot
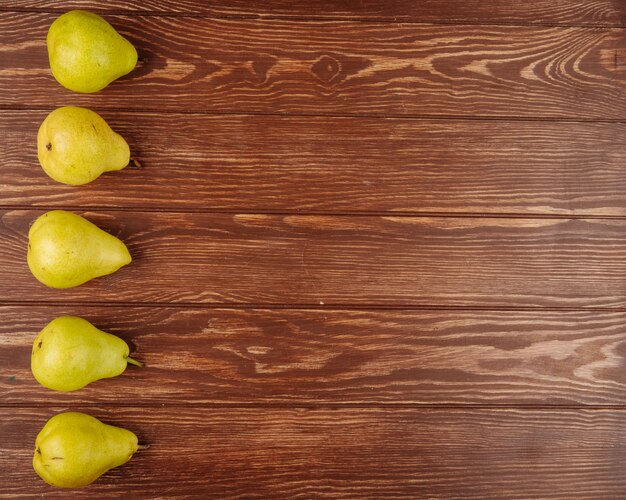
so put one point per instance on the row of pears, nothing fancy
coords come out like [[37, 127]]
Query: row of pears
[[75, 146]]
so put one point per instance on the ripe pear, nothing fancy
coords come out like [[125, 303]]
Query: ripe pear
[[74, 449], [75, 146], [65, 250], [86, 53], [70, 353]]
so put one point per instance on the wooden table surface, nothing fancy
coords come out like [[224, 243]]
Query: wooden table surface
[[379, 248]]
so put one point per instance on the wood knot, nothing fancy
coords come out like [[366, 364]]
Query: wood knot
[[327, 68]]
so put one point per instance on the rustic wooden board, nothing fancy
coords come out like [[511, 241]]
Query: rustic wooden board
[[351, 68], [560, 12], [335, 357], [196, 258], [215, 452], [329, 164], [353, 273]]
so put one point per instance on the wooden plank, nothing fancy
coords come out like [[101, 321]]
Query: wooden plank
[[298, 260], [348, 453], [328, 164], [199, 64], [561, 12], [335, 356]]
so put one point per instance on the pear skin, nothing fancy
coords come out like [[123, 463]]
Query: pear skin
[[75, 146], [70, 353], [74, 449], [86, 53], [65, 250]]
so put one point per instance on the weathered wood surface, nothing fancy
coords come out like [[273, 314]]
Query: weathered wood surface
[[217, 452], [339, 357], [558, 12], [351, 68], [196, 258], [329, 164], [354, 273]]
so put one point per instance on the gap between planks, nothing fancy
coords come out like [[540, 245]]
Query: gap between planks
[[308, 307], [380, 116], [326, 406], [320, 213]]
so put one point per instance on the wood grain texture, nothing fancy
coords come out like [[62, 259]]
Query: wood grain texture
[[299, 260], [374, 354], [561, 12], [335, 357], [365, 453], [349, 68], [328, 164]]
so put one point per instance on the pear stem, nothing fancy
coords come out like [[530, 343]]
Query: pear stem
[[134, 362], [134, 163], [142, 447]]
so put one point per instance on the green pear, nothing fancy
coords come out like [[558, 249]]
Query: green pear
[[65, 250], [74, 449], [86, 53], [75, 146], [70, 353]]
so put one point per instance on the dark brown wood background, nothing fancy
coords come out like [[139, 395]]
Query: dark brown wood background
[[379, 248]]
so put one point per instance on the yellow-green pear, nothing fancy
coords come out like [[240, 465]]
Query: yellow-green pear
[[66, 250], [74, 449], [75, 146], [70, 353], [86, 53]]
